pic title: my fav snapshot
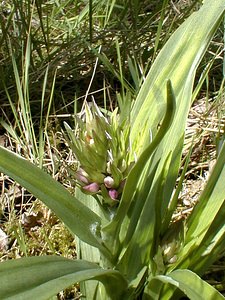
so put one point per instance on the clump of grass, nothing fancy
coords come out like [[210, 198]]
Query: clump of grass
[[61, 37]]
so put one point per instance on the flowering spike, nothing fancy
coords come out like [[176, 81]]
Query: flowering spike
[[102, 148]]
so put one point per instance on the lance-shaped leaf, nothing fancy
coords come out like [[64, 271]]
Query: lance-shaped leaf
[[43, 277], [182, 54], [205, 226], [177, 61], [76, 216], [184, 280], [139, 169]]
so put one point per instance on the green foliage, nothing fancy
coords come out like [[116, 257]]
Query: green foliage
[[139, 249], [43, 277], [73, 213], [186, 281]]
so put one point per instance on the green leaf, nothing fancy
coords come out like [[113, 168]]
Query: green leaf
[[169, 210], [188, 282], [210, 200], [76, 216], [181, 63], [177, 61], [143, 237], [85, 251], [206, 230], [136, 173], [43, 277]]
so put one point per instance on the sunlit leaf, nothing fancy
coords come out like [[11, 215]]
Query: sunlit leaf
[[188, 282], [78, 218], [43, 277], [205, 226]]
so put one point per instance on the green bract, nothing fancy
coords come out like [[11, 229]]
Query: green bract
[[101, 145]]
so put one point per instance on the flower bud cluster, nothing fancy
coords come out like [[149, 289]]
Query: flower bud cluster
[[173, 241], [102, 148]]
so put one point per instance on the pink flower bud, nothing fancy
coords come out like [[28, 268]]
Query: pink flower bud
[[81, 178], [91, 188], [113, 194], [109, 182]]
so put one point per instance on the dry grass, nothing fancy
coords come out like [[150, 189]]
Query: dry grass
[[205, 127]]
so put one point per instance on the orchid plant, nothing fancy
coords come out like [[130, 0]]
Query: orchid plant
[[128, 243]]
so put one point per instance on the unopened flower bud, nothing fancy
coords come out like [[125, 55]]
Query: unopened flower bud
[[109, 182], [113, 194], [172, 260], [82, 176], [91, 188]]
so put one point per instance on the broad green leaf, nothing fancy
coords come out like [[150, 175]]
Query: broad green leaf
[[167, 215], [135, 174], [188, 282], [76, 216], [177, 61], [210, 200], [206, 230], [88, 252], [43, 277], [143, 240], [182, 55], [181, 63]]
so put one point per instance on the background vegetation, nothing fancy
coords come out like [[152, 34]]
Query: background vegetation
[[55, 54]]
